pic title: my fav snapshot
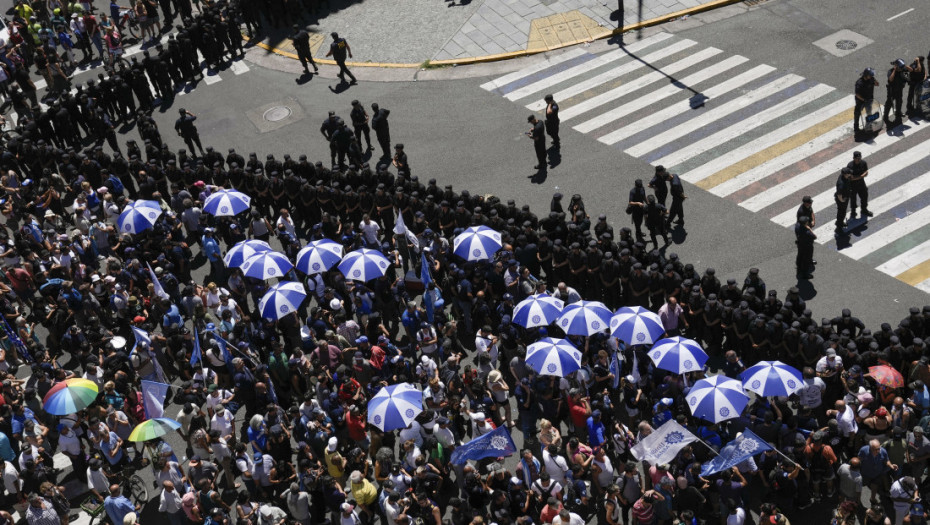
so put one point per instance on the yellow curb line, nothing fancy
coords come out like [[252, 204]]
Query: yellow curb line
[[515, 54]]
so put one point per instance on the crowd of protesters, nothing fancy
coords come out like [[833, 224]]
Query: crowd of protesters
[[74, 287]]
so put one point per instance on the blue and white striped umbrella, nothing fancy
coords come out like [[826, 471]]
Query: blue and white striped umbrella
[[635, 325], [678, 354], [717, 398], [139, 216], [226, 203], [318, 256], [537, 310], [476, 243], [584, 318], [282, 299], [553, 357], [395, 406], [242, 250], [364, 265], [772, 378], [266, 265]]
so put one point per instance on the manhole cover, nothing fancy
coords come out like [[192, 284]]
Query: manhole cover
[[846, 45], [277, 113]]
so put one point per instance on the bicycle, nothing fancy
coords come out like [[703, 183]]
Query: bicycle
[[127, 17], [133, 488]]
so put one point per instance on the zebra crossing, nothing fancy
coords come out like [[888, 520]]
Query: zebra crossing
[[747, 132]]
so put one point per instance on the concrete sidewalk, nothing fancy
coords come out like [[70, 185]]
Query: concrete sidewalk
[[411, 32]]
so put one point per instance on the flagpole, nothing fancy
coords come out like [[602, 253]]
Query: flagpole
[[708, 446]]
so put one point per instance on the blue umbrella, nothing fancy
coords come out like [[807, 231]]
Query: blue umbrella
[[678, 354], [553, 357], [537, 310], [282, 299], [242, 250], [476, 243], [139, 216], [266, 265], [635, 325], [772, 378], [318, 256], [584, 318], [395, 406], [364, 264], [717, 398], [226, 203]]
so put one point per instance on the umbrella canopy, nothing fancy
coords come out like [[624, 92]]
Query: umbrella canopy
[[476, 243], [226, 203], [635, 325], [717, 398], [678, 354], [553, 357], [282, 299], [584, 318], [139, 216], [886, 376], [153, 428], [537, 310], [364, 264], [70, 396], [242, 250], [266, 265], [318, 256], [772, 378], [395, 406]]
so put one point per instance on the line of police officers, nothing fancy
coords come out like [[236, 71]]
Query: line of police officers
[[899, 75]]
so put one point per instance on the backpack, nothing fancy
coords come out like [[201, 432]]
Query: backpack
[[117, 184]]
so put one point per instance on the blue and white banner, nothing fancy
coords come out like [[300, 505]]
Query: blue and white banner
[[663, 444], [495, 444], [153, 398], [745, 446]]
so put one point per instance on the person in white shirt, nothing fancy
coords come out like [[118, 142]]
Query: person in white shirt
[[845, 418], [70, 444], [567, 518], [12, 483], [97, 480], [369, 229], [169, 504], [426, 337], [811, 393], [223, 456], [223, 422], [485, 341], [567, 294], [829, 365], [555, 464], [414, 432], [217, 397], [287, 221], [737, 515]]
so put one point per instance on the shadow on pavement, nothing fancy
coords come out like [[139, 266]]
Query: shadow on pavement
[[806, 289]]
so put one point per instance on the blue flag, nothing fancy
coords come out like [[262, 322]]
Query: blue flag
[[425, 277], [196, 355], [495, 444], [153, 398], [735, 452]]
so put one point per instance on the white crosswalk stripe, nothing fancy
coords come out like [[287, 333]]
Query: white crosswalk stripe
[[603, 60], [877, 173], [615, 73], [239, 67], [766, 141], [684, 105], [745, 126], [637, 84], [709, 117], [672, 89]]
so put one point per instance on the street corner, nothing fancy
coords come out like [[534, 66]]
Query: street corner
[[276, 115], [563, 29]]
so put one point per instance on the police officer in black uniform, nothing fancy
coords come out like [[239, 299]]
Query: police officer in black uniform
[[865, 88], [538, 134], [659, 184], [805, 236], [897, 79], [338, 50], [379, 123], [360, 122], [552, 120], [841, 197], [916, 77], [677, 190], [187, 130], [637, 206], [301, 40], [860, 170], [655, 220], [330, 126]]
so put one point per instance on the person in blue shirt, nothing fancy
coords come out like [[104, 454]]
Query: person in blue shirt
[[112, 447], [661, 412], [596, 432], [211, 250], [6, 451], [117, 505]]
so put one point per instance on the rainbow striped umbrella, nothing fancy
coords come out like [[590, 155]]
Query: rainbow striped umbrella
[[153, 428], [70, 396]]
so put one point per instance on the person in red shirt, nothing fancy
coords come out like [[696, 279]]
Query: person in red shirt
[[579, 408], [357, 427]]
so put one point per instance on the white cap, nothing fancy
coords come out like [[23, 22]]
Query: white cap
[[332, 444]]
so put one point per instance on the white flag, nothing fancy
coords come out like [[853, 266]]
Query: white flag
[[159, 291], [401, 229], [663, 444]]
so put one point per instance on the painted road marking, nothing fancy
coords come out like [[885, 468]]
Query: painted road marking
[[889, 234], [899, 15], [900, 264], [527, 71]]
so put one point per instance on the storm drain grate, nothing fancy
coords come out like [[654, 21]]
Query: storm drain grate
[[846, 45], [277, 114]]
